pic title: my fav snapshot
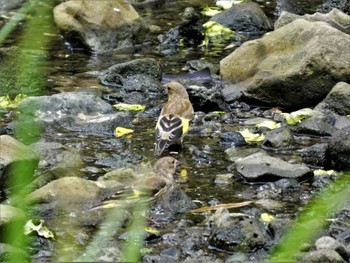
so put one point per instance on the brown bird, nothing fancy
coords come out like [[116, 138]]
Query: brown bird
[[174, 118], [150, 187]]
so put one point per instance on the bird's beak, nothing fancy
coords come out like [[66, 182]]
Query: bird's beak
[[165, 87]]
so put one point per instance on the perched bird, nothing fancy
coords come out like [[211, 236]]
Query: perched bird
[[175, 117], [150, 187]]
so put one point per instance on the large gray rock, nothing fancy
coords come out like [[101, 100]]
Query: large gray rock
[[17, 162], [293, 66], [262, 167], [74, 111], [335, 18], [100, 25]]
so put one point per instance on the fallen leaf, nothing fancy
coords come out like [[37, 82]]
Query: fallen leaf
[[129, 107], [120, 131]]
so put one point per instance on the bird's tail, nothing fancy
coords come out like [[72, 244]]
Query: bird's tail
[[160, 146]]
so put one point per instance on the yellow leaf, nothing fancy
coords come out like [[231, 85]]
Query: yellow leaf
[[152, 230], [7, 103], [41, 230], [210, 11], [319, 172], [129, 107], [250, 137], [120, 131], [269, 124], [297, 116], [183, 173], [267, 218]]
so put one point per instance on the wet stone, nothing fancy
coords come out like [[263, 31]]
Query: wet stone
[[235, 233], [262, 167]]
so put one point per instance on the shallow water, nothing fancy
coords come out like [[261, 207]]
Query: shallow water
[[69, 70]]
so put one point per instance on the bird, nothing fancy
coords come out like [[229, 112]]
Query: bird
[[150, 187], [175, 116]]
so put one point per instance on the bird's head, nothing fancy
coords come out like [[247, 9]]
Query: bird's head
[[175, 89], [166, 167]]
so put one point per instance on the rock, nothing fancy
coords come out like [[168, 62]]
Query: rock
[[329, 243], [313, 123], [67, 194], [111, 252], [135, 82], [235, 233], [335, 18], [75, 111], [339, 149], [290, 6], [278, 227], [284, 67], [337, 100], [315, 154], [9, 5], [244, 17], [330, 5], [176, 202], [235, 153], [232, 138], [324, 255], [58, 161], [100, 26], [117, 73], [189, 32], [17, 162], [279, 138], [10, 214], [207, 99], [262, 167], [223, 179]]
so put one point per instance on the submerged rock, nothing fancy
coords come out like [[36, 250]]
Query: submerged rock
[[262, 167], [75, 111]]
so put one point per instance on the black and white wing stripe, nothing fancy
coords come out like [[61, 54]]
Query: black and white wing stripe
[[169, 129]]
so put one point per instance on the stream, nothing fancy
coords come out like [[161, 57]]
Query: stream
[[202, 156]]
